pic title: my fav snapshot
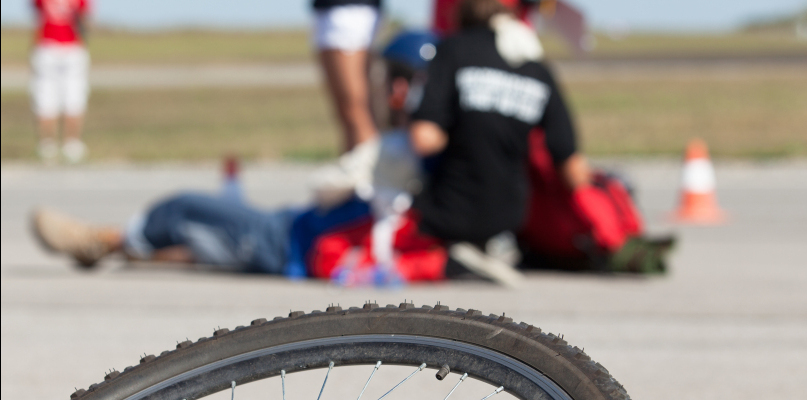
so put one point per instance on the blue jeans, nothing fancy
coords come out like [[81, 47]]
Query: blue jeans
[[220, 232]]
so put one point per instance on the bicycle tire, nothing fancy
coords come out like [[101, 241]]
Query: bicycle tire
[[492, 348]]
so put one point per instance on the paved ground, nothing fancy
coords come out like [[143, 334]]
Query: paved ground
[[729, 321], [183, 76]]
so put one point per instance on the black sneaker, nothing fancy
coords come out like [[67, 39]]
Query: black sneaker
[[641, 255]]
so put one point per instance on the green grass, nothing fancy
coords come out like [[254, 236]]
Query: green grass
[[175, 47], [755, 118], [189, 124], [646, 45], [738, 118], [187, 47]]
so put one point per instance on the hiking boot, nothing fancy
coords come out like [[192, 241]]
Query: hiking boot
[[60, 233], [483, 265]]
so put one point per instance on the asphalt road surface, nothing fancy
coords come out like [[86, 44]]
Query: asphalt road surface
[[728, 322]]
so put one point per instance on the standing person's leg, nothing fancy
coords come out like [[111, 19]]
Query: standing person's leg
[[346, 76], [73, 148], [343, 36], [76, 93], [45, 100], [48, 147]]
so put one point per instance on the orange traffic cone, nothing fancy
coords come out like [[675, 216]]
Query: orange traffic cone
[[698, 199]]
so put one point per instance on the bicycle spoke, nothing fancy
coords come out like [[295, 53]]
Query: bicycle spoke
[[462, 379], [377, 366], [330, 367], [420, 368], [283, 382], [495, 392]]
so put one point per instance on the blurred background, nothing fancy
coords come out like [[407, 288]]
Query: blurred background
[[177, 85], [728, 71]]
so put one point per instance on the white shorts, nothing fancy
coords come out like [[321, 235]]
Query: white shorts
[[59, 81], [347, 28]]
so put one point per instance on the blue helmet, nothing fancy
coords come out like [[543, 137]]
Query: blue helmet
[[412, 48]]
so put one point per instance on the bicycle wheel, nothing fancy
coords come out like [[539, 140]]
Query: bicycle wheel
[[517, 358]]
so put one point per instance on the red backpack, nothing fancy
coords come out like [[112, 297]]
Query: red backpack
[[557, 217]]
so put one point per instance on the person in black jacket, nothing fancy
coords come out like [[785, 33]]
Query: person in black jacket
[[486, 91], [487, 98], [478, 108]]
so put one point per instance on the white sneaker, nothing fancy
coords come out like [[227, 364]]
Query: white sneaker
[[504, 247], [48, 150], [485, 266], [74, 150]]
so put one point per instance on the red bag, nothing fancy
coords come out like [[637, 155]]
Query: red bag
[[418, 257], [557, 216]]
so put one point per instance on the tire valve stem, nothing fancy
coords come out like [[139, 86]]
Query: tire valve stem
[[443, 372]]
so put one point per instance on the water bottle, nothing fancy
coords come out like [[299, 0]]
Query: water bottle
[[231, 186]]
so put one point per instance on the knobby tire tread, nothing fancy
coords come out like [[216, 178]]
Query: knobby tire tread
[[568, 366]]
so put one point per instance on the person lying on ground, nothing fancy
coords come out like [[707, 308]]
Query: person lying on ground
[[210, 231], [223, 233]]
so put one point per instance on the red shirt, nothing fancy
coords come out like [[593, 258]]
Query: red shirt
[[57, 20]]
